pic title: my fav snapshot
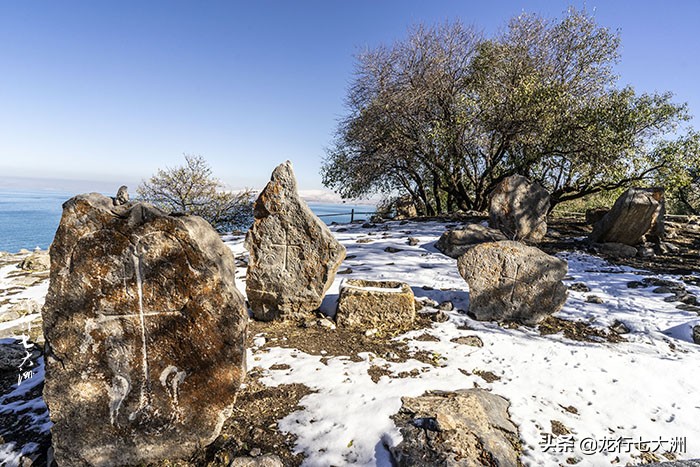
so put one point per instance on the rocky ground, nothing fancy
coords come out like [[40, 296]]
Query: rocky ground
[[321, 395]]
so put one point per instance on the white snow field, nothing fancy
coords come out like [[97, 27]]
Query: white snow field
[[617, 394]]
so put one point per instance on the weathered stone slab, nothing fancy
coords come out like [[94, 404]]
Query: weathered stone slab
[[293, 255], [366, 305], [638, 212], [509, 281], [145, 334], [518, 208], [470, 427], [455, 242]]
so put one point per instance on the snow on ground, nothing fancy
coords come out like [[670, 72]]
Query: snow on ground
[[642, 389], [609, 395]]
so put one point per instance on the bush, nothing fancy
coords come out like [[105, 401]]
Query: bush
[[192, 189]]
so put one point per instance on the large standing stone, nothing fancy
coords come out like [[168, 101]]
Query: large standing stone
[[293, 254], [145, 334], [456, 242], [518, 208], [509, 281], [636, 213], [366, 305], [470, 427]]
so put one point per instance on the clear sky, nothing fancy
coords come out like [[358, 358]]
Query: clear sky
[[110, 91]]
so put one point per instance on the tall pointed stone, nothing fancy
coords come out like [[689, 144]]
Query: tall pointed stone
[[293, 254], [145, 334]]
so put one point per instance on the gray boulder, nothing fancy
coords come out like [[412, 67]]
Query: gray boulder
[[509, 281], [518, 208], [470, 427], [455, 242], [293, 255], [696, 334], [637, 213], [145, 334]]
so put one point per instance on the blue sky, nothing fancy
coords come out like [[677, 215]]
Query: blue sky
[[110, 91]]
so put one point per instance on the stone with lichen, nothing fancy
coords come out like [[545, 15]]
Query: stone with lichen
[[145, 334]]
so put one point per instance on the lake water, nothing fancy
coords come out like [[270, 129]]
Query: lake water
[[28, 219]]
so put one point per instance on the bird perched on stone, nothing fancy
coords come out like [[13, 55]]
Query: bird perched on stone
[[122, 196]]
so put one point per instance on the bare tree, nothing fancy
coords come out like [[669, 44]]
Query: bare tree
[[192, 189]]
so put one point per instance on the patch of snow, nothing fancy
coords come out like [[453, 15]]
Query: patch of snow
[[616, 390]]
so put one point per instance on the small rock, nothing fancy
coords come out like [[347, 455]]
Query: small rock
[[691, 280], [662, 290], [341, 229], [696, 334], [122, 196], [616, 250], [391, 249], [645, 252], [427, 287], [368, 225], [429, 302], [579, 287], [371, 332], [326, 323], [363, 240], [692, 308], [618, 327], [39, 261], [594, 299], [345, 271], [255, 452], [668, 248], [688, 299], [413, 241], [268, 460], [659, 282], [446, 306], [439, 317], [473, 341], [635, 285]]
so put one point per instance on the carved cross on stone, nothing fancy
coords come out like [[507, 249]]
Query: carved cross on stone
[[514, 280], [145, 396], [286, 245]]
